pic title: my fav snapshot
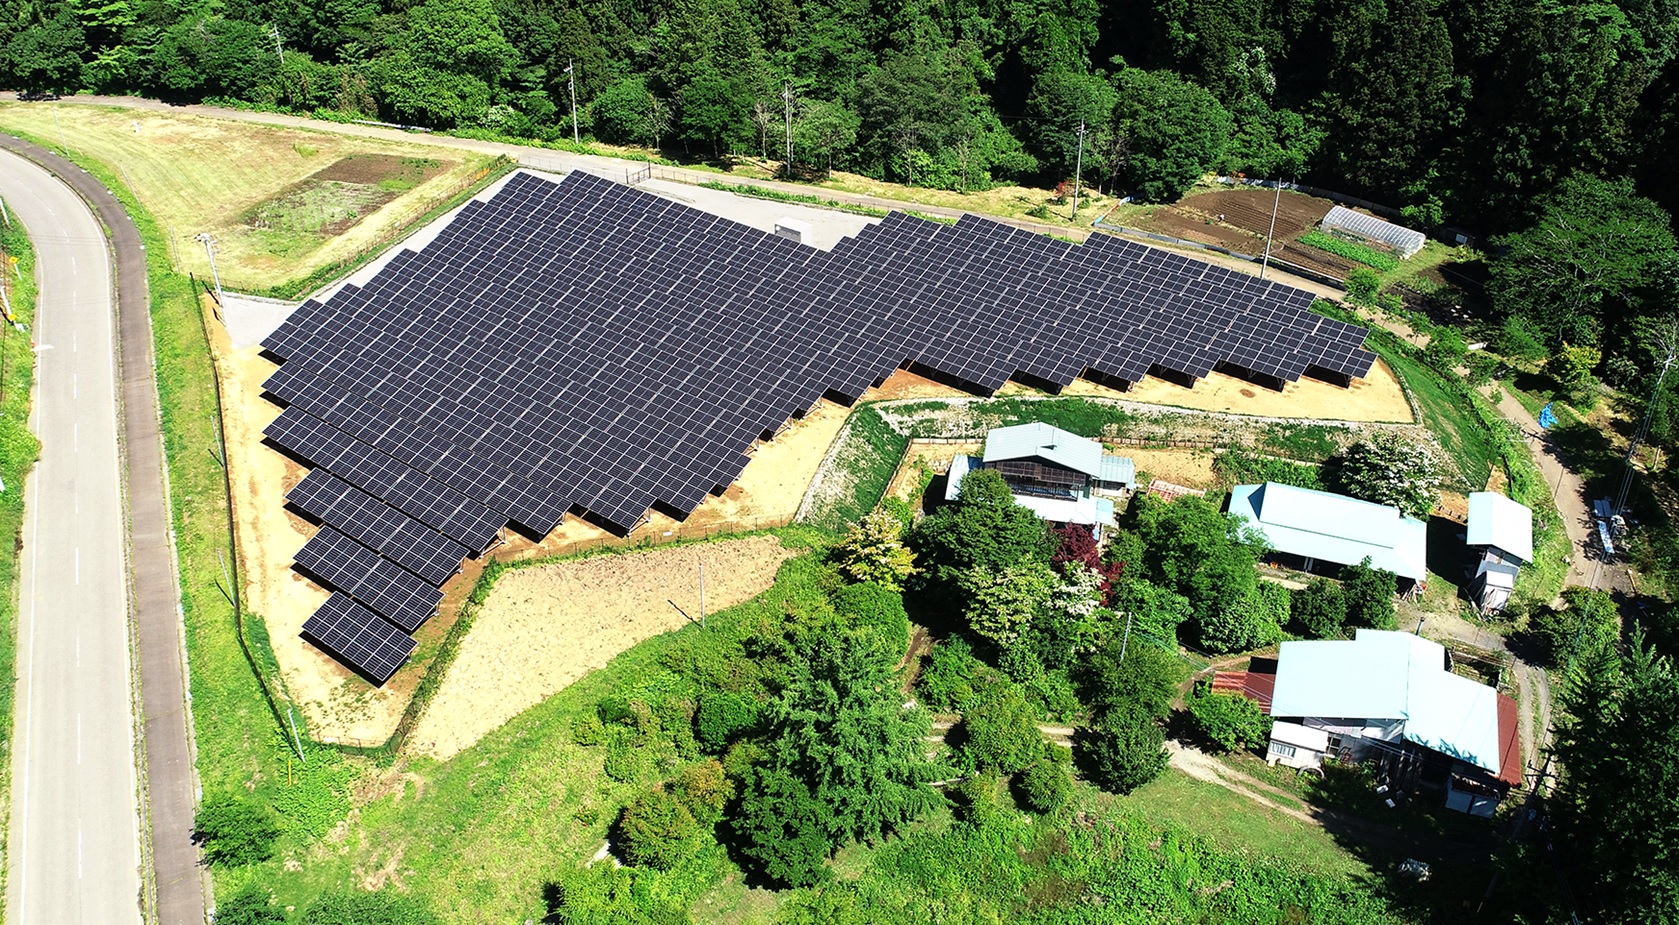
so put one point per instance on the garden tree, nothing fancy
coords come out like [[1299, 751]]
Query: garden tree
[[1572, 367], [656, 830], [1001, 730], [843, 758], [1120, 753], [1002, 604], [1195, 550], [1369, 594], [1618, 744], [1581, 267], [1230, 721], [824, 129], [1318, 610], [1044, 786], [1362, 286], [1138, 679], [1151, 611], [712, 112], [1076, 547], [1060, 101], [253, 904], [1174, 132], [950, 675], [722, 716], [983, 529], [1590, 617], [873, 550], [1248, 622], [1386, 468], [235, 831]]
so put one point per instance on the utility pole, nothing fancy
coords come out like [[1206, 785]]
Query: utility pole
[[571, 80], [210, 249], [1078, 169], [787, 164], [1671, 342], [4, 214], [279, 49], [1275, 202]]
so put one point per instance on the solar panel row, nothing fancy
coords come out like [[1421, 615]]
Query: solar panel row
[[589, 347], [357, 637], [393, 592]]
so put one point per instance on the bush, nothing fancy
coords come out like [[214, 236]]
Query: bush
[[1362, 285], [252, 905], [1554, 631], [704, 789], [1369, 594], [1002, 731], [1119, 754], [873, 551], [980, 798], [356, 907], [1318, 610], [878, 609], [235, 832], [1229, 721], [723, 716], [1254, 620], [949, 675], [626, 762], [656, 830], [1044, 786], [779, 828]]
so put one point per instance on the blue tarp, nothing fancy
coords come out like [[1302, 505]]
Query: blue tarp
[[1547, 417]]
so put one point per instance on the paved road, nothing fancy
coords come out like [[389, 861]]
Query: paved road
[[75, 828]]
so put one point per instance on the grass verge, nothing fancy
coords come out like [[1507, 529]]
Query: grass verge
[[775, 195], [18, 452]]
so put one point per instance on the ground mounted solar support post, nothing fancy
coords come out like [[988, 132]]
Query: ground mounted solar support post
[[210, 249]]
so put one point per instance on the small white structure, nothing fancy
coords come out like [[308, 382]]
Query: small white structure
[[1297, 746], [792, 229], [1501, 531], [1403, 240]]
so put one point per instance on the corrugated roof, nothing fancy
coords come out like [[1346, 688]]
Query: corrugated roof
[[1510, 764], [1495, 520], [1118, 469], [1334, 528], [1086, 511], [1392, 676], [1254, 685], [959, 468], [1051, 444], [1303, 736]]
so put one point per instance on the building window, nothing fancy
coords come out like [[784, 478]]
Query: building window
[[1282, 750]]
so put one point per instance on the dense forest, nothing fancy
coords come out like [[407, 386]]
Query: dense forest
[[1464, 112]]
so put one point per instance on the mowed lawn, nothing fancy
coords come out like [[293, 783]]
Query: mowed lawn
[[249, 185]]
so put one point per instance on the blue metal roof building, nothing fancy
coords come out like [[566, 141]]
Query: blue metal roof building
[[1318, 525]]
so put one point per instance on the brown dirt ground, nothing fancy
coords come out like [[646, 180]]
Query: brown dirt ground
[[1376, 398], [1247, 217], [1187, 467], [373, 168], [935, 457], [336, 704], [545, 626]]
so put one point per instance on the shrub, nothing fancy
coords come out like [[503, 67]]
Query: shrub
[[252, 905], [1229, 721], [356, 907], [656, 830], [1044, 786], [980, 798], [1369, 594], [873, 550], [1362, 285], [1554, 630], [949, 675], [779, 828], [235, 832], [1254, 620], [1120, 754], [723, 716], [626, 762], [879, 609], [1319, 609], [704, 789], [1002, 731]]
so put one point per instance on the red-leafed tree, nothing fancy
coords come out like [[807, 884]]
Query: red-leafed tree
[[1074, 543]]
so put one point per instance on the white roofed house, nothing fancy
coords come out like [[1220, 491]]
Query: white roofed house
[[1058, 474], [1391, 699], [1500, 534], [1314, 527]]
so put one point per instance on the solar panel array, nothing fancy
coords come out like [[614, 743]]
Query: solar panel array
[[580, 346]]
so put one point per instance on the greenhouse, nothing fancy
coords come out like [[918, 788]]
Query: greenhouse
[[1403, 240]]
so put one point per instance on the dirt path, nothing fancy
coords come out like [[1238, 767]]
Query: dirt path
[[1570, 492], [1202, 766]]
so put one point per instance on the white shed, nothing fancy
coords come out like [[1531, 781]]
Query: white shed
[[1403, 240], [1297, 746]]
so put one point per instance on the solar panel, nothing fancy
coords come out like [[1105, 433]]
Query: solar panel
[[583, 346], [389, 590], [357, 637]]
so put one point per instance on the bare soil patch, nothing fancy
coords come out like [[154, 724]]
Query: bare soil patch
[[925, 458], [545, 626], [1186, 467], [1236, 219]]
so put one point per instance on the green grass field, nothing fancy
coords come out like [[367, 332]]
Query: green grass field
[[249, 186], [18, 452]]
